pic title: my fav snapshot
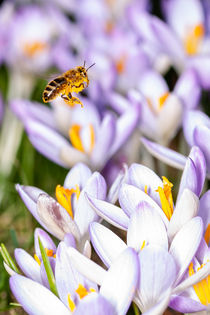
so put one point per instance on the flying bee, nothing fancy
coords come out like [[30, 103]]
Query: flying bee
[[73, 80]]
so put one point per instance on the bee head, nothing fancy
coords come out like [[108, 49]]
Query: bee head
[[82, 71]]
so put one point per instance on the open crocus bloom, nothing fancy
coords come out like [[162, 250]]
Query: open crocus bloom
[[71, 213], [145, 189], [184, 42], [33, 33], [196, 126], [161, 110], [114, 297], [93, 140]]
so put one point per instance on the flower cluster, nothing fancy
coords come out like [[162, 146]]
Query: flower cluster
[[126, 234]]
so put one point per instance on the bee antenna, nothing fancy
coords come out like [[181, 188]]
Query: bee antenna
[[91, 66], [84, 63]]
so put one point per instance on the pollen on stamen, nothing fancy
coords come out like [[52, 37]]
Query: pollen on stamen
[[162, 100], [166, 198], [49, 252], [202, 288], [207, 235], [64, 197], [37, 259], [74, 135], [71, 303]]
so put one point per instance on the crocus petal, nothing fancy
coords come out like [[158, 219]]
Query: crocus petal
[[192, 119], [201, 139], [161, 306], [87, 250], [46, 140], [55, 217], [146, 225], [69, 240], [204, 208], [167, 39], [66, 276], [94, 304], [188, 90], [158, 273], [84, 214], [194, 173], [28, 265], [202, 250], [35, 298], [78, 175], [143, 177], [124, 127], [201, 274], [46, 240], [29, 195], [186, 209], [201, 65], [105, 138], [107, 244], [86, 267], [185, 244], [109, 212], [24, 109], [130, 197], [121, 280], [184, 304], [164, 154], [70, 156], [118, 102], [115, 187]]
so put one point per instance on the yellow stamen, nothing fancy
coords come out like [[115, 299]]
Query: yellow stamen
[[71, 303], [64, 196], [92, 290], [120, 64], [143, 245], [74, 135], [162, 100], [82, 291], [92, 137], [54, 255], [146, 189], [166, 197], [37, 259], [31, 49], [49, 252], [109, 26], [207, 234], [202, 288], [194, 39]]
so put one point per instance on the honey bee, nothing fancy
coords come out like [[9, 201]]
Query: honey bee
[[73, 80]]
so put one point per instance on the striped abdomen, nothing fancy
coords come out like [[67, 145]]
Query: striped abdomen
[[53, 88]]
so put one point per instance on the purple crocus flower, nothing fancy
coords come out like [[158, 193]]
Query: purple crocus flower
[[145, 189], [72, 213], [161, 110], [93, 140], [182, 41], [196, 131], [115, 295]]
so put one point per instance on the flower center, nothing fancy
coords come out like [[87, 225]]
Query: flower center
[[194, 39], [202, 288], [166, 198], [207, 235], [31, 49], [49, 253], [162, 100], [76, 140], [82, 292], [64, 197], [120, 64]]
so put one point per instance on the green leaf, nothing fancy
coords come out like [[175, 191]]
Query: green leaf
[[8, 259], [48, 269]]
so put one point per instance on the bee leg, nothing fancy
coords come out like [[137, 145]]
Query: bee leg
[[76, 100]]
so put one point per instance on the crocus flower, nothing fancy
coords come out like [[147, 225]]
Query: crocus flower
[[115, 295], [158, 272], [71, 212], [196, 131], [145, 189], [182, 41], [93, 140], [161, 110]]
